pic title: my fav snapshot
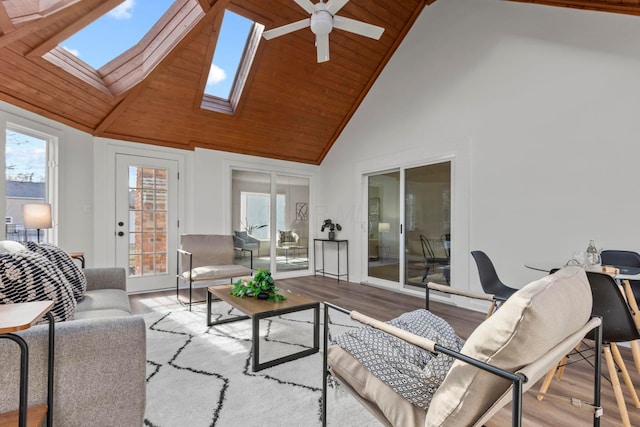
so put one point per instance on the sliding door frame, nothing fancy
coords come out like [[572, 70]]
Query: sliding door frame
[[458, 152]]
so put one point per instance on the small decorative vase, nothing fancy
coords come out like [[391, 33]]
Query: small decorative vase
[[332, 235], [263, 295]]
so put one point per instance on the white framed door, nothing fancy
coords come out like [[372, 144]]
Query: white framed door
[[146, 215]]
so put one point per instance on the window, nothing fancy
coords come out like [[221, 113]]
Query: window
[[148, 227], [236, 47], [28, 177], [114, 33], [255, 209]]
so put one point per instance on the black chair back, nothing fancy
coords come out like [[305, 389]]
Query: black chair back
[[609, 302], [489, 279], [620, 259]]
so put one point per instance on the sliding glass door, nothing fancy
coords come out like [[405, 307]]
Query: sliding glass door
[[427, 213], [270, 218], [384, 226], [409, 225]]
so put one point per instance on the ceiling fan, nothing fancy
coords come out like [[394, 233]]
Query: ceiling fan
[[323, 20]]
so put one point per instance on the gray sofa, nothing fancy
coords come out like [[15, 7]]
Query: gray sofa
[[100, 360]]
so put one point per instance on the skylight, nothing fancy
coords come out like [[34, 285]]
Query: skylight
[[232, 40], [115, 32]]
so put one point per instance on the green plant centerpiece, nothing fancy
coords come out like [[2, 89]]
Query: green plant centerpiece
[[260, 286]]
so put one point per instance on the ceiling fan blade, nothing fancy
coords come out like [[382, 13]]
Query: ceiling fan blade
[[286, 29], [306, 5], [358, 27], [333, 6], [322, 46]]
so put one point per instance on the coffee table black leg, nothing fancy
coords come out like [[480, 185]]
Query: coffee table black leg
[[255, 335], [209, 323], [255, 339]]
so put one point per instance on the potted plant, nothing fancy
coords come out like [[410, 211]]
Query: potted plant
[[260, 286], [331, 226]]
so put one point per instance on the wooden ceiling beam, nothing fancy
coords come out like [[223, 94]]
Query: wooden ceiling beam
[[596, 5], [204, 4], [6, 26], [69, 30]]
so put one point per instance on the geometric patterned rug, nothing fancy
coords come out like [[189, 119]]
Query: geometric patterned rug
[[201, 376]]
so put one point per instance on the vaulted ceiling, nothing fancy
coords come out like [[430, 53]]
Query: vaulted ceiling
[[291, 108]]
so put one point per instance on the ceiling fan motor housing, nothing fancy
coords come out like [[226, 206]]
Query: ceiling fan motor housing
[[321, 22]]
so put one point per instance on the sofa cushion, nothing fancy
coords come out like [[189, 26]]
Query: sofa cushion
[[65, 263], [28, 276], [101, 314], [11, 247], [216, 272], [104, 299], [525, 327]]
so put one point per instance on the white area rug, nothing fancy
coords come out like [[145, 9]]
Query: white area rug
[[201, 376]]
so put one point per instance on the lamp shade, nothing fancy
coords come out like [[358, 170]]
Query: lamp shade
[[36, 215], [384, 227]]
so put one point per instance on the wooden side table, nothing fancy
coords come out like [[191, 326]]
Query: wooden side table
[[19, 317]]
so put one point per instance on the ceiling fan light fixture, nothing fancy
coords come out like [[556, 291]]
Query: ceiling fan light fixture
[[321, 22]]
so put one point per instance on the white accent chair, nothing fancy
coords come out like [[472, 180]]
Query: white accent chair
[[204, 258]]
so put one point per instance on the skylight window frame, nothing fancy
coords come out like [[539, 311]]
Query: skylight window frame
[[230, 105], [132, 66]]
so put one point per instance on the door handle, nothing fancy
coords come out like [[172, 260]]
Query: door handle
[[120, 233]]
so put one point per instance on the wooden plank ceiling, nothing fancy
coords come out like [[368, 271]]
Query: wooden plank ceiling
[[291, 108]]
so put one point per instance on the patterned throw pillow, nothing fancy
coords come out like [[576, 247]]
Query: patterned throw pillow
[[64, 262], [27, 276], [286, 236]]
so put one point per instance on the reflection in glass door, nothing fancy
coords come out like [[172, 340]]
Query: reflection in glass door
[[292, 218], [428, 224], [270, 218], [384, 226], [251, 218], [416, 248]]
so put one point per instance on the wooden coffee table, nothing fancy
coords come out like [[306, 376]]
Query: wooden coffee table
[[257, 310]]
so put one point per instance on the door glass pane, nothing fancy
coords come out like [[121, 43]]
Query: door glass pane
[[428, 224], [384, 226], [25, 174], [292, 219], [250, 213], [148, 227]]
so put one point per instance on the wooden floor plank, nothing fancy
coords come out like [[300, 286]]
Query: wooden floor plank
[[385, 305]]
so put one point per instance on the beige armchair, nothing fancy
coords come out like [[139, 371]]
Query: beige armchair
[[206, 258]]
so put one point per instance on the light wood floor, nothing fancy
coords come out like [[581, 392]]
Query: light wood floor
[[385, 305]]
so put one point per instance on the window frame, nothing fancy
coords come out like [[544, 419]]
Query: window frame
[[52, 138]]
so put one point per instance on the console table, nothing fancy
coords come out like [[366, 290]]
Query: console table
[[19, 317], [338, 243]]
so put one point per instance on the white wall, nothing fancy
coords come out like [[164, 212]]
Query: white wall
[[549, 98]]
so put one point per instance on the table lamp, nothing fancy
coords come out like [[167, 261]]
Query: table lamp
[[37, 215]]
